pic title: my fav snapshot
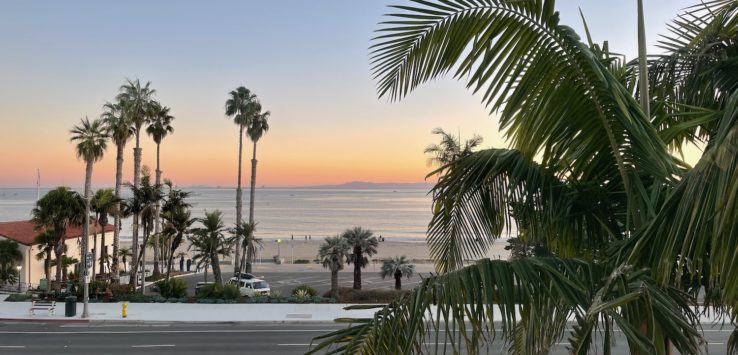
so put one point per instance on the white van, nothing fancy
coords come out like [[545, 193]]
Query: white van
[[251, 287]]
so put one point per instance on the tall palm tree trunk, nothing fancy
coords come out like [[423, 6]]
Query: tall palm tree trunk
[[115, 270], [58, 252], [103, 254], [136, 184], [216, 269], [239, 198], [86, 239], [94, 251], [47, 267], [357, 268], [334, 284], [398, 280], [250, 252], [157, 272]]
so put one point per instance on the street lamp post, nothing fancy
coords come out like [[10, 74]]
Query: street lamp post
[[279, 241], [19, 276]]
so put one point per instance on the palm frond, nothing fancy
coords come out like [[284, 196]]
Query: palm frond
[[469, 307]]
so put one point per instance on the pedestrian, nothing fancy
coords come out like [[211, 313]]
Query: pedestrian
[[306, 238], [310, 237], [189, 264], [292, 236], [181, 263]]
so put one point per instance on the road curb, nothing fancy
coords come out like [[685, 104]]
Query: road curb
[[137, 321], [44, 320]]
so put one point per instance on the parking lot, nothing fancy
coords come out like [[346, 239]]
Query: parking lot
[[283, 278]]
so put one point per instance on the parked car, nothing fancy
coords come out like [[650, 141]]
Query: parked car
[[251, 287], [243, 276]]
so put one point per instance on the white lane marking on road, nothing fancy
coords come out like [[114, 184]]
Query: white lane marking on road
[[293, 344], [176, 331], [715, 343], [154, 346], [12, 346]]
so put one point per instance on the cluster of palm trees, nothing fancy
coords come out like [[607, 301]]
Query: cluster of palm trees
[[10, 257], [245, 109], [353, 246], [636, 239]]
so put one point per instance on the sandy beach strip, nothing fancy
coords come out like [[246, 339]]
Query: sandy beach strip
[[290, 250]]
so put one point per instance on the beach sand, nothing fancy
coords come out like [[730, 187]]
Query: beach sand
[[416, 251]]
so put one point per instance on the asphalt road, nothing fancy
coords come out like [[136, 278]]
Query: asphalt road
[[183, 339]]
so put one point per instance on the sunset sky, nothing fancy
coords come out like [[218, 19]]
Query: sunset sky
[[306, 60]]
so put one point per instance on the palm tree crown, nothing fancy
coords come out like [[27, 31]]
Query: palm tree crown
[[450, 148], [332, 252], [91, 139], [160, 123], [259, 125]]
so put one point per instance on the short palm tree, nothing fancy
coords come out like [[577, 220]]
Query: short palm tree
[[45, 243], [397, 267], [135, 100], [10, 256], [210, 242], [59, 209], [249, 243], [332, 253], [143, 205], [177, 224], [241, 107], [91, 141], [120, 130], [257, 128], [363, 245], [125, 254], [103, 204], [160, 125]]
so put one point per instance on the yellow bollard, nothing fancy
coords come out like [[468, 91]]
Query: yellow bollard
[[125, 310]]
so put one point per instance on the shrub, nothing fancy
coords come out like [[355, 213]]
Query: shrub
[[174, 288], [302, 261], [18, 297], [121, 289], [349, 295], [215, 291], [303, 289]]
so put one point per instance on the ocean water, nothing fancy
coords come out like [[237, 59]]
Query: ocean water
[[399, 214]]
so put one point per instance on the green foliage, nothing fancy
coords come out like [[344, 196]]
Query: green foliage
[[290, 299], [139, 298], [174, 288], [215, 291], [18, 297], [301, 261], [121, 289], [304, 288]]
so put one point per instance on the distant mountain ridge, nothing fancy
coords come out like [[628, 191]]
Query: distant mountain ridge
[[352, 185], [364, 185]]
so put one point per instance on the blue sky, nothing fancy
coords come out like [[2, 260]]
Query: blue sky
[[307, 61]]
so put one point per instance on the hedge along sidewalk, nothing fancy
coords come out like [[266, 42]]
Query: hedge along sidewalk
[[189, 312]]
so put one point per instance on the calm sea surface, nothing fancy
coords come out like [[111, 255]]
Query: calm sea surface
[[401, 214]]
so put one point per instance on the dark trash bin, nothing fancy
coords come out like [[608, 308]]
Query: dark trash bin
[[70, 306]]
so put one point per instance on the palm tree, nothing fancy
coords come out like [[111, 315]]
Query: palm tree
[[450, 148], [120, 130], [45, 243], [54, 213], [136, 102], [159, 127], [143, 205], [104, 204], [257, 128], [397, 267], [210, 242], [91, 140], [363, 245], [249, 243], [634, 233], [332, 254], [10, 254], [241, 106], [125, 254], [177, 224]]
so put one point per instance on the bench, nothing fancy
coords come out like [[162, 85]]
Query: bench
[[48, 306]]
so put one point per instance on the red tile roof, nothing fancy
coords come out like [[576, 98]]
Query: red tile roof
[[24, 232]]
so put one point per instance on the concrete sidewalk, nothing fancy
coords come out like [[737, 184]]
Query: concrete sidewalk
[[186, 312]]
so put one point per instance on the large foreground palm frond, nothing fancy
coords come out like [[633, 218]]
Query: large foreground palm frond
[[527, 302], [556, 98], [697, 226], [483, 195]]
